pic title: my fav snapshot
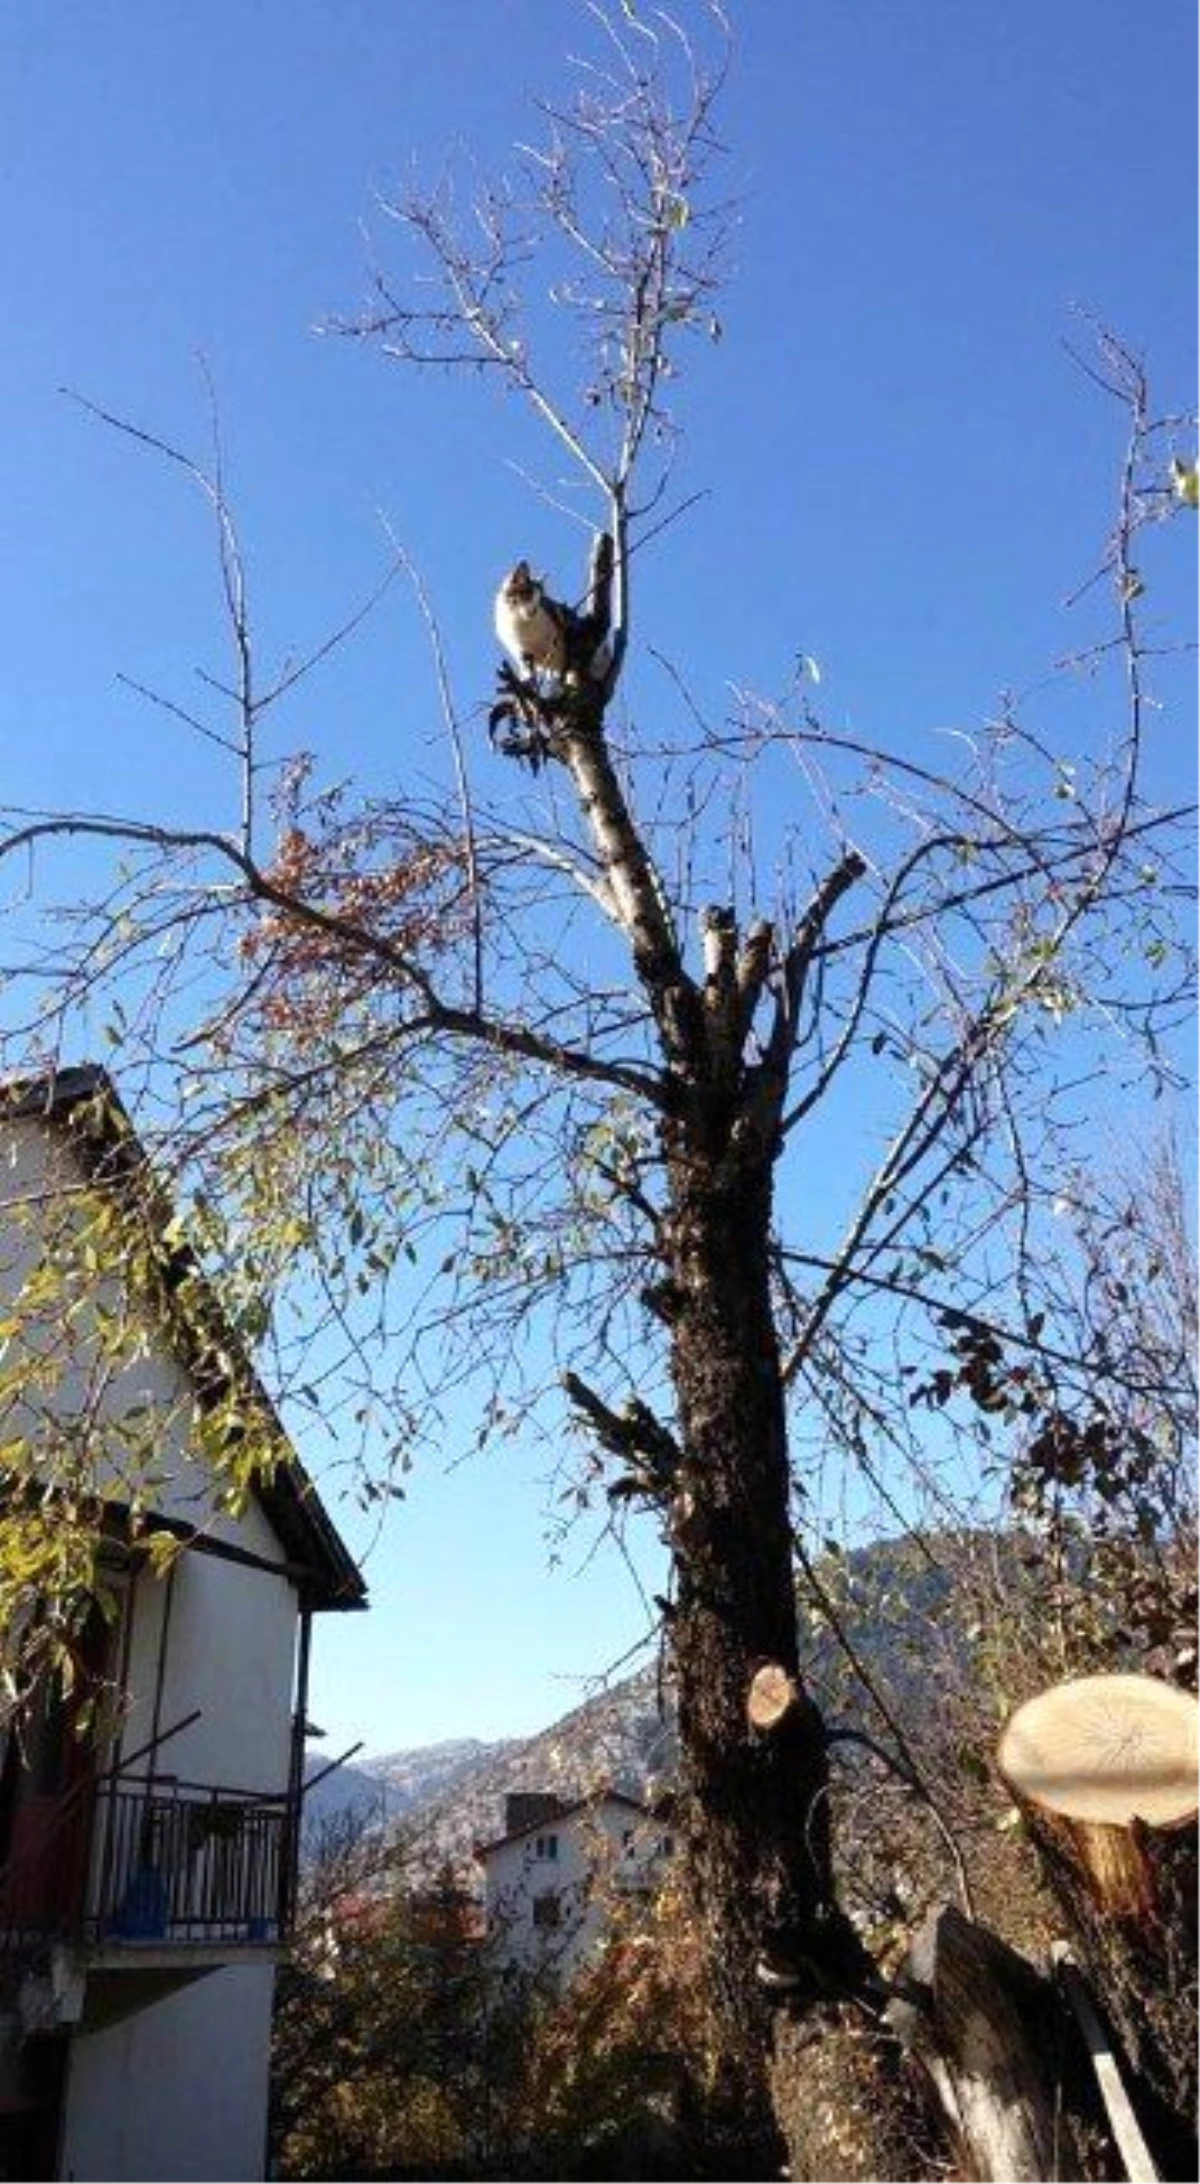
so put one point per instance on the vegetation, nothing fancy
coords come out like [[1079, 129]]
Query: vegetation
[[437, 1076], [391, 2038], [405, 2046]]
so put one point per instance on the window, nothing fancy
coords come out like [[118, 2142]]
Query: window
[[547, 1911], [667, 1845], [546, 1846]]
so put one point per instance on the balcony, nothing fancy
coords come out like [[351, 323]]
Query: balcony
[[186, 1863], [153, 1865]]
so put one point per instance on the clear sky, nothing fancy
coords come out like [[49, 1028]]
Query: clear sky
[[907, 474]]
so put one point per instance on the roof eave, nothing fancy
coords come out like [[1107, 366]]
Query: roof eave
[[287, 1495]]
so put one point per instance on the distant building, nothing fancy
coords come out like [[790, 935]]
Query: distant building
[[563, 1875], [147, 1865]]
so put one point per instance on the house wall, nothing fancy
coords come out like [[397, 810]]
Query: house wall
[[594, 1872], [127, 1384], [177, 2091], [231, 1632], [70, 1371], [219, 1638], [178, 2088]]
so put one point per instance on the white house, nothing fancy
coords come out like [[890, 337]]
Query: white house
[[147, 1867], [563, 1876]]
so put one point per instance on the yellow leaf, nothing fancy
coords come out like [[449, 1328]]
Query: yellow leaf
[[1186, 480]]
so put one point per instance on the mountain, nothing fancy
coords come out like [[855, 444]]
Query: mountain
[[340, 1796], [385, 1789], [412, 1778], [446, 1797], [888, 1602], [621, 1738]]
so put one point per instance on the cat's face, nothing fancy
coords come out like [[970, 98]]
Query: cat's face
[[520, 586]]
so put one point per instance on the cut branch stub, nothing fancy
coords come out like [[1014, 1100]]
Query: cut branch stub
[[772, 1696], [1109, 1749]]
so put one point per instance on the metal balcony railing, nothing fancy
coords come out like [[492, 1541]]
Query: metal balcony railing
[[163, 1861], [186, 1862]]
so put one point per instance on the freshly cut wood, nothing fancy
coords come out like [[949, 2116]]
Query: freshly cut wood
[[1106, 1749], [772, 1695], [1104, 1772]]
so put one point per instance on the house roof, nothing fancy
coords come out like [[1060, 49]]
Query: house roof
[[550, 1821], [85, 1102]]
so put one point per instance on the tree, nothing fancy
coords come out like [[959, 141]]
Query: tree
[[1102, 1439], [406, 2044], [1097, 1578], [395, 2042], [564, 1064]]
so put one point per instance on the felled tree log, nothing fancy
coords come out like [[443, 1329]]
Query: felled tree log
[[1103, 1770], [1007, 2067], [853, 2108]]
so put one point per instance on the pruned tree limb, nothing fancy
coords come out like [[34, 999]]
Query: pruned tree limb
[[632, 1433]]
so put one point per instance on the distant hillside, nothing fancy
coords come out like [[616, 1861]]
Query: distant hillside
[[890, 1601], [412, 1778], [348, 1792], [620, 1738], [385, 1789]]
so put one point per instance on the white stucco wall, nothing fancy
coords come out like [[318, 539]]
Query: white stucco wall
[[593, 1870], [177, 2091], [232, 1631], [229, 1650], [73, 1376]]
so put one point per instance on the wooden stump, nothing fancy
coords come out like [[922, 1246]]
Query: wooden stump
[[1104, 1773]]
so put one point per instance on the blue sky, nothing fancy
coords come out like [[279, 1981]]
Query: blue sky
[[905, 472]]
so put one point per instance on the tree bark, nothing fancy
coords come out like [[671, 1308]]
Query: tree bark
[[1003, 2056], [852, 2107], [755, 1806], [1128, 1898]]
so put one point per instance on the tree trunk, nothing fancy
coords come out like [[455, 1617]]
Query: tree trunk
[[754, 1801], [853, 2109]]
